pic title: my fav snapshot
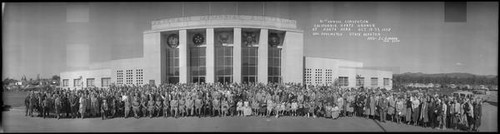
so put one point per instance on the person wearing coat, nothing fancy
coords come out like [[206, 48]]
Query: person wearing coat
[[367, 106], [391, 110], [424, 116], [415, 110], [383, 104], [408, 109], [477, 114], [400, 109], [372, 103]]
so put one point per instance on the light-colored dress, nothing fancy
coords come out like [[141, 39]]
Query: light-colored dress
[[335, 112], [247, 110]]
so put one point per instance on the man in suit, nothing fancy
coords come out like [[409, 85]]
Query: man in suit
[[383, 105]]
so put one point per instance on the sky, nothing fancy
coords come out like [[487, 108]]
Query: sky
[[48, 38]]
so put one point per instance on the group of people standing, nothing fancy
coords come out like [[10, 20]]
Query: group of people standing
[[209, 100], [422, 109]]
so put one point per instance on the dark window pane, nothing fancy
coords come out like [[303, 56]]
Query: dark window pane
[[245, 61], [202, 61], [219, 70], [195, 79], [244, 70], [176, 71], [228, 71], [228, 61], [202, 51], [202, 71], [194, 62], [251, 71], [244, 52], [252, 61], [202, 79], [219, 62]]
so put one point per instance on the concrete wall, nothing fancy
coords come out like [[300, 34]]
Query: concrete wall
[[96, 74], [292, 57], [127, 64], [346, 68], [367, 74], [154, 57]]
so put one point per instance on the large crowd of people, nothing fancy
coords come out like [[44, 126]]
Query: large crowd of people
[[419, 108]]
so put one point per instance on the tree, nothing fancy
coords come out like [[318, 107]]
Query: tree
[[7, 81], [56, 77]]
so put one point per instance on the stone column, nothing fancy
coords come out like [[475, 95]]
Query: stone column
[[210, 56], [237, 55], [183, 57], [263, 55]]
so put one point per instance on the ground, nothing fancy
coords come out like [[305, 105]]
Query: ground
[[15, 121]]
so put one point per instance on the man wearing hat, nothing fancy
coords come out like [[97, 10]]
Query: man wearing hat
[[104, 109], [58, 106]]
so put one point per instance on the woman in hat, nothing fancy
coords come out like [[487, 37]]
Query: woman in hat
[[294, 107]]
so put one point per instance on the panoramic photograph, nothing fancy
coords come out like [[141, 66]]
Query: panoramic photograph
[[250, 66]]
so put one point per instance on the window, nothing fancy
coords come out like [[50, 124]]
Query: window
[[90, 82], [274, 65], [308, 76], [105, 82], [129, 77], [319, 76], [374, 81], [138, 77], [65, 83], [119, 77], [197, 60], [77, 82], [172, 65], [224, 64], [360, 81], [386, 81], [344, 81], [249, 64], [328, 76]]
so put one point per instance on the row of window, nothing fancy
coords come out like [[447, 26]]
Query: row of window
[[343, 81], [129, 77], [105, 82]]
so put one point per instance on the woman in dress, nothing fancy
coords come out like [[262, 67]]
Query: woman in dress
[[392, 107], [408, 109], [239, 107], [400, 109], [224, 107], [424, 112], [294, 108], [247, 110], [83, 106], [255, 106]]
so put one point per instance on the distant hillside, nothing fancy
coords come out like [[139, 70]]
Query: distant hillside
[[446, 78]]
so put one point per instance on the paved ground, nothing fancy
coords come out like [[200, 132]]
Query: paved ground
[[15, 121]]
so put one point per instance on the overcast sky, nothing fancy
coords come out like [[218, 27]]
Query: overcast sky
[[37, 36]]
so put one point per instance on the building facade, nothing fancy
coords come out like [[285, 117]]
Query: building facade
[[211, 49]]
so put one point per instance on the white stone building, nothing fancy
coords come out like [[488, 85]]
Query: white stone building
[[223, 48]]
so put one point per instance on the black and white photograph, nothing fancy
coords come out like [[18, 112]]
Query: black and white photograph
[[279, 66]]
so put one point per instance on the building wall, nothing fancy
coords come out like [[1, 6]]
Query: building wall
[[128, 64], [293, 52], [96, 74], [342, 68], [153, 58]]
